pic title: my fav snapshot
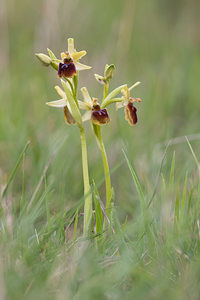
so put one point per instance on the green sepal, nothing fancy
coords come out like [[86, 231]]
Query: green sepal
[[55, 64], [51, 54], [86, 95], [111, 101], [74, 108], [111, 95]]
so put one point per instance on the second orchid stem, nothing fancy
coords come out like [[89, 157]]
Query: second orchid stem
[[87, 191], [97, 130]]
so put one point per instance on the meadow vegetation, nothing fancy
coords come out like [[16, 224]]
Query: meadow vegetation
[[153, 249]]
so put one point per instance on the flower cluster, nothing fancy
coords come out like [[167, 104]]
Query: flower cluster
[[68, 67]]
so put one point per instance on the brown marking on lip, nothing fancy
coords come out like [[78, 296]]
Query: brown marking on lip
[[130, 114], [68, 116], [66, 69], [100, 116]]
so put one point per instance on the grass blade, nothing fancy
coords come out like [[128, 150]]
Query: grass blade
[[137, 182], [183, 199], [98, 211], [15, 169], [176, 209], [171, 177], [75, 225], [194, 155]]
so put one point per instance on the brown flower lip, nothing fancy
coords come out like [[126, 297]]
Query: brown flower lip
[[100, 116], [67, 68], [68, 116], [130, 114]]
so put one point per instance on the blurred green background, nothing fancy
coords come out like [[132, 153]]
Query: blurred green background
[[156, 42]]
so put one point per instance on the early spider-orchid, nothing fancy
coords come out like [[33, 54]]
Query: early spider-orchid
[[70, 61], [127, 103], [93, 109]]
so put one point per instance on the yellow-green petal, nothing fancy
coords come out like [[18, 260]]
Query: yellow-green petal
[[134, 85], [78, 55]]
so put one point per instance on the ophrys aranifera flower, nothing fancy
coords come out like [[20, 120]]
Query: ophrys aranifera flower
[[70, 61], [127, 102]]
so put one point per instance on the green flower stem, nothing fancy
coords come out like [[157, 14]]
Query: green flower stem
[[75, 80], [87, 192], [106, 86], [71, 86], [97, 130]]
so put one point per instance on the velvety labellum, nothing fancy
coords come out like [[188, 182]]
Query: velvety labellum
[[68, 116], [66, 69], [100, 116], [130, 114]]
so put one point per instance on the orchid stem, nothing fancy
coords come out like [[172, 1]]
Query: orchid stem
[[75, 79], [97, 130], [87, 192], [106, 86]]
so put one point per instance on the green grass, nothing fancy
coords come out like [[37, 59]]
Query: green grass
[[154, 252]]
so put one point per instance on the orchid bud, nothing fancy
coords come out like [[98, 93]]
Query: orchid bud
[[109, 71], [100, 79], [44, 59]]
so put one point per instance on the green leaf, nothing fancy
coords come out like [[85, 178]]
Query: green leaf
[[74, 108], [98, 211]]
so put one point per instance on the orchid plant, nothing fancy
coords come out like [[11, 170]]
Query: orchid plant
[[95, 111]]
